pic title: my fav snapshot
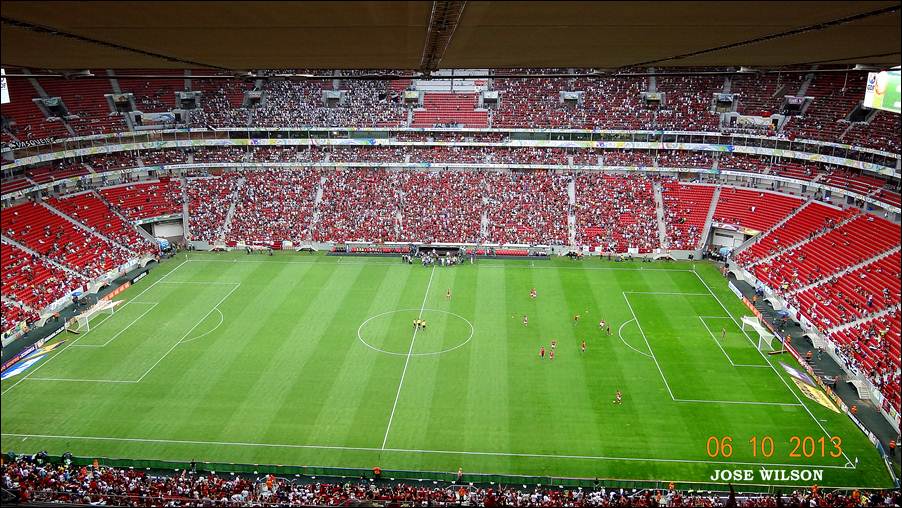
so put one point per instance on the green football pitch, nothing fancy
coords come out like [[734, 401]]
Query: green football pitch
[[314, 360]]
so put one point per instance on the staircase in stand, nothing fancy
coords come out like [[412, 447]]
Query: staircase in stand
[[227, 223], [79, 225], [659, 212], [748, 243], [710, 217], [844, 271], [317, 199], [877, 315], [183, 185], [805, 240], [43, 258], [141, 231], [571, 210]]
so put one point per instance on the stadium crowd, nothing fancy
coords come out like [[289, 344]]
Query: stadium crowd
[[616, 213], [35, 479], [209, 199], [679, 103]]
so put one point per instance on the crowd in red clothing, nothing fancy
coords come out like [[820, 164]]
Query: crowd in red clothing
[[615, 213], [441, 206], [14, 312], [274, 205], [341, 216], [209, 199], [33, 281], [528, 207], [33, 479], [146, 199]]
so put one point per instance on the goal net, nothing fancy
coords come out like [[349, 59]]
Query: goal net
[[82, 322], [766, 338]]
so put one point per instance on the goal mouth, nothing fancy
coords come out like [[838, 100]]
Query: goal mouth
[[82, 322], [766, 337]]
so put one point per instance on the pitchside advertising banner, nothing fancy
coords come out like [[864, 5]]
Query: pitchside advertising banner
[[29, 356], [883, 91]]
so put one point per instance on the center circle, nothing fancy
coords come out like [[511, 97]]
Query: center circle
[[393, 331]]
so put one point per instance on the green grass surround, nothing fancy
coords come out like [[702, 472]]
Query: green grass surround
[[312, 360]]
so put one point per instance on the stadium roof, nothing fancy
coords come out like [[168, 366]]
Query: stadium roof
[[427, 35]]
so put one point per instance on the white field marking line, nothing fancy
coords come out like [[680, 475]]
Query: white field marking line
[[697, 401], [650, 350], [724, 350], [619, 334], [26, 376], [408, 450], [199, 282], [790, 404], [79, 380], [105, 344], [221, 320], [365, 343], [407, 361], [237, 285], [477, 265], [848, 461], [664, 293]]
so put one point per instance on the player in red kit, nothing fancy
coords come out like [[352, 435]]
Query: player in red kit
[[542, 352], [551, 355]]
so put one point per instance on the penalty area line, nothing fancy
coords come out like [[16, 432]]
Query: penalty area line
[[29, 374], [774, 369]]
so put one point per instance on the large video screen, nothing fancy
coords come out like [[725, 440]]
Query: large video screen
[[882, 91]]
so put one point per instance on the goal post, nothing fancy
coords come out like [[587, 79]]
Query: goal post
[[82, 322], [765, 336]]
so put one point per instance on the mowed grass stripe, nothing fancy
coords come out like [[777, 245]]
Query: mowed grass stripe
[[358, 381], [443, 383], [313, 383], [261, 342]]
